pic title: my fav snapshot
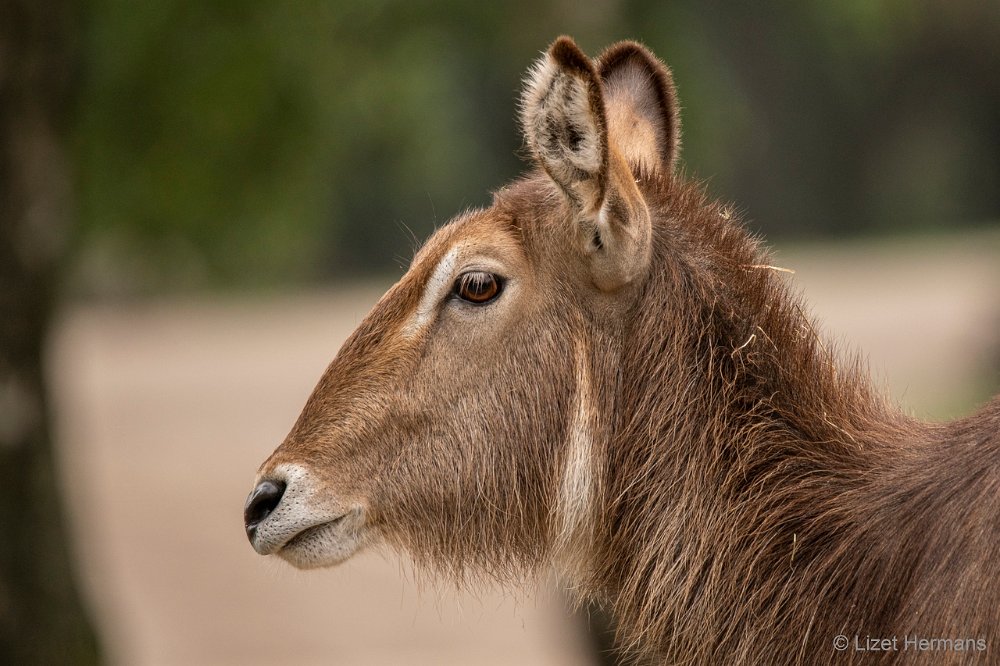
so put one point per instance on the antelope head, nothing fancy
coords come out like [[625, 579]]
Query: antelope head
[[466, 420]]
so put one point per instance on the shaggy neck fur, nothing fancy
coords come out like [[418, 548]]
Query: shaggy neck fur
[[763, 499]]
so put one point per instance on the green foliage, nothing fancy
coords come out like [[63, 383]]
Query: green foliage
[[257, 142]]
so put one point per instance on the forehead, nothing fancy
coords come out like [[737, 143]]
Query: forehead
[[490, 232], [513, 224]]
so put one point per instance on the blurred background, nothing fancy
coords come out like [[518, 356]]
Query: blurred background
[[200, 200]]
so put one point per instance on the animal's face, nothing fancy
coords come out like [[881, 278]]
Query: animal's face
[[459, 420], [460, 368]]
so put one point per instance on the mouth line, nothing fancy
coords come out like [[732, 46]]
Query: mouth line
[[309, 531]]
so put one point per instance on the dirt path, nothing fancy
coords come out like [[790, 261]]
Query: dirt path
[[165, 411]]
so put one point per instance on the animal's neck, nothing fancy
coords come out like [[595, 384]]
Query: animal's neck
[[725, 359], [740, 433]]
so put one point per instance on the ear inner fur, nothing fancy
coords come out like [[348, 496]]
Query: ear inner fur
[[641, 103], [565, 124]]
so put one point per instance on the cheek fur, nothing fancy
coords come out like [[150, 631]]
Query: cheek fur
[[478, 477]]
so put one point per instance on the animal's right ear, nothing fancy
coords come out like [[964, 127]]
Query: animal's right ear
[[641, 106]]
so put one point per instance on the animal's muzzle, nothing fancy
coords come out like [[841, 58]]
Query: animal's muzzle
[[260, 503]]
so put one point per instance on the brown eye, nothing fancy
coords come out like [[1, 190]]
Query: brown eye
[[478, 287]]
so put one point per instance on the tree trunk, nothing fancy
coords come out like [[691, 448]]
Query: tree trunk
[[41, 618]]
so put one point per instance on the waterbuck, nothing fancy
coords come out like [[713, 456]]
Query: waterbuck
[[601, 374]]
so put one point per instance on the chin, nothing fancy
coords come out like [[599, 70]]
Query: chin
[[325, 545]]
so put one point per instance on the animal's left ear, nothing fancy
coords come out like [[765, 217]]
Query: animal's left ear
[[566, 125]]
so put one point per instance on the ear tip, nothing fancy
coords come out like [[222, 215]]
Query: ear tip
[[625, 47], [621, 56], [568, 55], [620, 53]]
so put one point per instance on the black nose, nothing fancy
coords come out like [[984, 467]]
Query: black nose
[[261, 502]]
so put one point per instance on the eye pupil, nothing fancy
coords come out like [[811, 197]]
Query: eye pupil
[[477, 287]]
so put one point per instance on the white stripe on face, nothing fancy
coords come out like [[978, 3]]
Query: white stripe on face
[[576, 495], [437, 286]]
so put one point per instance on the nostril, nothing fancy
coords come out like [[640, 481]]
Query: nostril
[[261, 502]]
